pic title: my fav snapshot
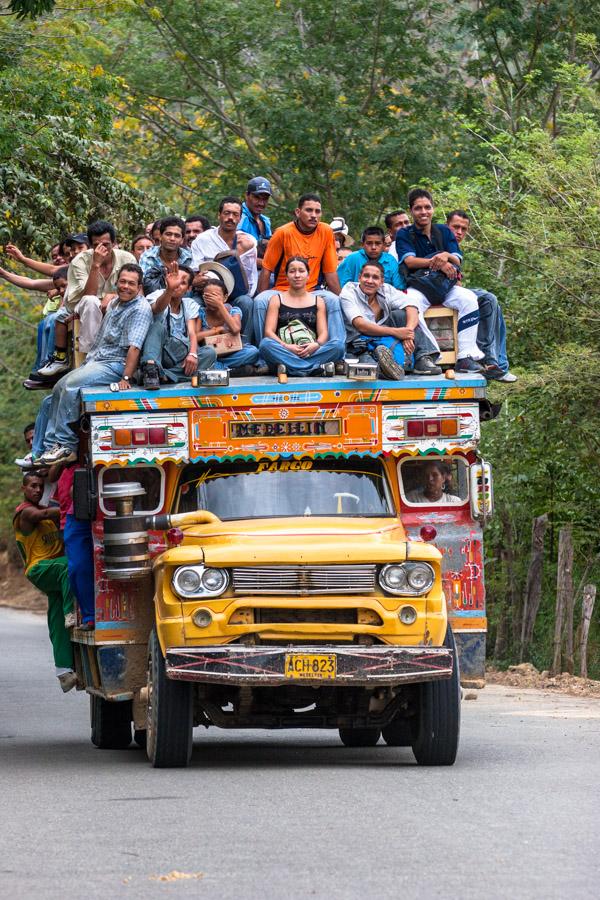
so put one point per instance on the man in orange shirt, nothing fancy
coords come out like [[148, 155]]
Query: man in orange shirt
[[308, 237], [313, 240]]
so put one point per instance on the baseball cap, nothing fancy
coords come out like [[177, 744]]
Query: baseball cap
[[259, 185], [79, 238]]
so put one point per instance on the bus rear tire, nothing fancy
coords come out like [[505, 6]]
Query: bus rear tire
[[170, 722], [111, 723], [438, 726], [359, 737]]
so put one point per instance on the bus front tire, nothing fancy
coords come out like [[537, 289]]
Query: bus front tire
[[438, 724], [170, 720]]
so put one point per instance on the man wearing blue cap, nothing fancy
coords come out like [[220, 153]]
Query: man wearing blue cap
[[253, 221]]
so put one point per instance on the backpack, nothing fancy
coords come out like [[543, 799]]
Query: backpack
[[432, 283]]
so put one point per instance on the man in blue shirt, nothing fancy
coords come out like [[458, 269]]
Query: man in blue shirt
[[372, 250], [253, 221], [434, 247], [156, 261]]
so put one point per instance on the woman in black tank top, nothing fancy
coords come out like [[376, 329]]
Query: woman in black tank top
[[297, 305], [296, 336]]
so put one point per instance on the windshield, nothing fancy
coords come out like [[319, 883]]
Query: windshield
[[286, 487]]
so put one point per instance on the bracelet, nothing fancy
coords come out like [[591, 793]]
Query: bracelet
[[195, 355], [125, 377]]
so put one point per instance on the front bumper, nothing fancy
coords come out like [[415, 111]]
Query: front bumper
[[266, 666]]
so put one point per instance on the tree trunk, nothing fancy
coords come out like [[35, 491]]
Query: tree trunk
[[564, 588], [587, 608], [569, 603], [507, 623], [533, 586]]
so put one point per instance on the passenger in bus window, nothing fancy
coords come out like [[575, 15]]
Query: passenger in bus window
[[433, 489]]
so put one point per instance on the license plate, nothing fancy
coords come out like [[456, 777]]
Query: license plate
[[316, 666]]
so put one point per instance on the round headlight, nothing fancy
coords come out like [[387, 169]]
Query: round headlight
[[407, 615], [214, 580], [393, 578], [420, 577], [202, 617], [187, 581]]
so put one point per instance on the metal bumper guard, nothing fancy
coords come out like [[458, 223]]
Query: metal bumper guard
[[355, 666]]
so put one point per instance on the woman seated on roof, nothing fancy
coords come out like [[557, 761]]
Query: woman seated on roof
[[296, 336]]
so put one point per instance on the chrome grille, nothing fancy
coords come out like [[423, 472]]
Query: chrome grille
[[297, 580]]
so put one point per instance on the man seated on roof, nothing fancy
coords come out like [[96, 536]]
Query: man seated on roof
[[372, 250], [170, 352], [155, 262], [383, 326], [254, 221], [432, 261], [91, 285], [491, 333], [113, 358], [234, 249]]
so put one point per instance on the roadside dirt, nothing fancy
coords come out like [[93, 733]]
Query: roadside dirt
[[526, 675], [18, 593]]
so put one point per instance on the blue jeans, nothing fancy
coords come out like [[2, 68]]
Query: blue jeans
[[275, 353], [424, 345], [79, 550], [65, 400], [501, 342], [153, 348], [246, 304], [247, 356], [41, 426], [45, 341]]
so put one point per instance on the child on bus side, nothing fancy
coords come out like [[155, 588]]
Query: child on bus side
[[220, 324]]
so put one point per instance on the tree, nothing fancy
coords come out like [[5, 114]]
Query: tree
[[55, 121]]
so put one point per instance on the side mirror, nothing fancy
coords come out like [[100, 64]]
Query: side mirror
[[85, 495], [481, 491]]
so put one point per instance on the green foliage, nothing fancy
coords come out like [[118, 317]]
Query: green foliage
[[55, 123]]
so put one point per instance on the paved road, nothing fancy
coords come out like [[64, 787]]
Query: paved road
[[293, 815]]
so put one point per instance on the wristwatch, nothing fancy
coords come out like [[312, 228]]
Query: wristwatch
[[125, 377]]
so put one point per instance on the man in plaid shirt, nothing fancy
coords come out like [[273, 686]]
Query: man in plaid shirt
[[113, 358]]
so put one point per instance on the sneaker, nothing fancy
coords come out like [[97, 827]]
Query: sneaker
[[492, 372], [27, 462], [327, 370], [468, 364], [388, 365], [67, 681], [53, 368], [70, 620], [150, 379], [261, 370], [87, 626], [32, 384], [57, 455], [508, 378], [426, 366]]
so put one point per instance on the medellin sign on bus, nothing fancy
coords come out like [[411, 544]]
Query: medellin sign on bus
[[286, 428]]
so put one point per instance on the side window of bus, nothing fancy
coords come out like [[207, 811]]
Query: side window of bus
[[433, 482], [152, 479]]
